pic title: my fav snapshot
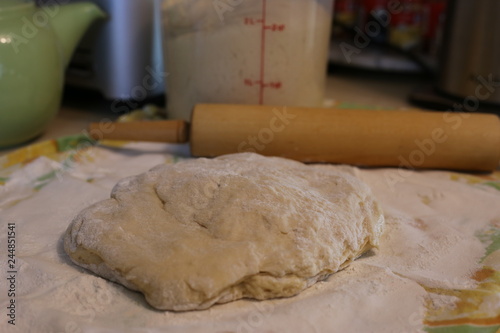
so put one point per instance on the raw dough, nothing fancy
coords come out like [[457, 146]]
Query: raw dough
[[206, 231]]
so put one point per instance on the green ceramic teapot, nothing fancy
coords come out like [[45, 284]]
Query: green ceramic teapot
[[35, 47]]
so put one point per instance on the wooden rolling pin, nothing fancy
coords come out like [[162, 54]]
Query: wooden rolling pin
[[410, 139]]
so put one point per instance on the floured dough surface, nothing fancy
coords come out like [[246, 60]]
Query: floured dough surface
[[205, 231]]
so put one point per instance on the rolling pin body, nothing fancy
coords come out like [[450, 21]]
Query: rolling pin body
[[411, 139]]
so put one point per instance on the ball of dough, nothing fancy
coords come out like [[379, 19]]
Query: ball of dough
[[205, 231]]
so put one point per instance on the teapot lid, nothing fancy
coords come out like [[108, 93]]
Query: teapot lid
[[8, 5]]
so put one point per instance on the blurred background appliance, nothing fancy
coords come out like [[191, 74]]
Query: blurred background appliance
[[470, 63], [388, 35], [121, 57], [468, 75]]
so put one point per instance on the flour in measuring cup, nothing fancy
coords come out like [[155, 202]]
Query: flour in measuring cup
[[260, 52]]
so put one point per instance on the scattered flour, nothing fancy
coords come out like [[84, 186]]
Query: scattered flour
[[426, 244]]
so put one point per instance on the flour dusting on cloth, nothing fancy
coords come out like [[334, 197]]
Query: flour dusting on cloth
[[438, 263]]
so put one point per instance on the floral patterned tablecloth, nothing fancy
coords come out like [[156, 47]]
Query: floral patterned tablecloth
[[475, 309]]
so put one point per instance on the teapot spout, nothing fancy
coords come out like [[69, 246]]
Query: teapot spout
[[70, 23]]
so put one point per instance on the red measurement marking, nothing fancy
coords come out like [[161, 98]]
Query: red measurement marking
[[259, 83], [274, 27], [252, 21], [262, 52], [275, 85]]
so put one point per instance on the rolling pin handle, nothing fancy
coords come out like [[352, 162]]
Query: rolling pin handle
[[170, 131]]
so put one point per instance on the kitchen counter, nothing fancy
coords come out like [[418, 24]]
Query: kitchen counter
[[358, 88]]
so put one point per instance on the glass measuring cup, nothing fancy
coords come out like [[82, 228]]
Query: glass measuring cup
[[245, 51]]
